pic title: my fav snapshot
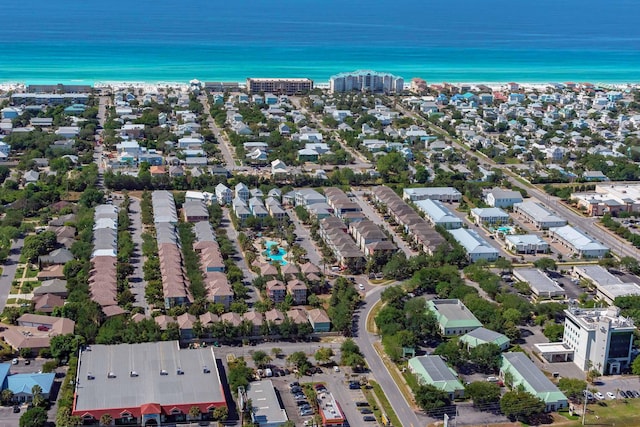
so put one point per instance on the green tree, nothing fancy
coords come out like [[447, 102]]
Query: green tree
[[545, 264], [239, 374], [572, 387], [34, 417], [453, 352], [553, 331], [261, 358], [520, 405], [486, 357], [276, 352], [194, 413], [6, 396], [221, 413], [106, 420], [430, 399], [323, 354], [483, 394], [635, 366], [38, 398], [300, 361]]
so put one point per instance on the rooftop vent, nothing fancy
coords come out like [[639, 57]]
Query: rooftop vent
[[111, 375], [179, 371], [206, 370], [163, 372], [133, 374], [90, 376]]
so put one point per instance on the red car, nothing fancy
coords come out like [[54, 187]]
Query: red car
[[43, 328]]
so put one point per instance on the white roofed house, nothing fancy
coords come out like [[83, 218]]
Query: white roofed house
[[491, 216], [499, 198], [438, 215], [224, 195], [526, 244]]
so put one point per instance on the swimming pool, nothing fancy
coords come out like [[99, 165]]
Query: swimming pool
[[505, 229], [279, 257]]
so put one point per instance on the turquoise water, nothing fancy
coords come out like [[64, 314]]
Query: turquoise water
[[458, 40], [506, 230], [279, 257]]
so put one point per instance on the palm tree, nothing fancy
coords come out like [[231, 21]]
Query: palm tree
[[37, 399], [194, 413], [106, 420], [6, 396]]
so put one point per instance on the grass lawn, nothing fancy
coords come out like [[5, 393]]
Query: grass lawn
[[11, 300], [19, 272], [31, 273], [386, 406], [621, 413], [371, 319]]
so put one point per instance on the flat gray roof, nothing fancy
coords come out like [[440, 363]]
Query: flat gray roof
[[147, 360], [539, 282], [266, 407], [436, 368], [453, 309]]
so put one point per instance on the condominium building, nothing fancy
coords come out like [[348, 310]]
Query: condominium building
[[366, 81], [279, 86]]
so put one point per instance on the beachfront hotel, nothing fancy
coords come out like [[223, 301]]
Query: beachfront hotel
[[366, 81], [279, 86]]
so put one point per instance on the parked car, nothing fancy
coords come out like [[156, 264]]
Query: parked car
[[636, 394], [294, 384], [623, 394], [302, 403], [14, 362], [366, 411], [599, 396], [360, 404], [353, 385], [368, 418], [336, 368], [361, 286], [43, 328], [16, 409], [611, 395]]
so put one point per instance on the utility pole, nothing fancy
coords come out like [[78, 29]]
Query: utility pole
[[584, 409]]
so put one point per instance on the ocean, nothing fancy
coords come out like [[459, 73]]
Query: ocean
[[87, 41]]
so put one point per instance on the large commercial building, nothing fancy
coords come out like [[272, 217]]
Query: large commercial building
[[443, 194], [267, 411], [579, 243], [541, 285], [610, 198], [534, 381], [280, 86], [608, 286], [538, 215], [476, 247], [600, 338], [438, 215], [453, 317], [366, 81], [431, 370], [147, 384]]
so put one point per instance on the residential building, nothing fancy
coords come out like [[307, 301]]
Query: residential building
[[476, 247], [319, 320], [195, 211], [366, 81], [267, 411], [481, 336], [534, 381], [500, 198], [147, 384], [579, 243], [298, 290], [453, 317], [538, 215], [433, 371], [542, 286], [279, 86], [526, 243], [490, 216], [224, 195], [443, 194], [276, 291]]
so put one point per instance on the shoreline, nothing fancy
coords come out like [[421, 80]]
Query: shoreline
[[141, 84]]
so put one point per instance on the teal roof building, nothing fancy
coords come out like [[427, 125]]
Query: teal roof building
[[453, 317], [534, 381], [485, 336], [22, 384], [433, 371]]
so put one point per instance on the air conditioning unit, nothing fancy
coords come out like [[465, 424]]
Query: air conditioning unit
[[206, 370], [90, 376], [111, 375], [179, 371], [133, 374], [163, 372]]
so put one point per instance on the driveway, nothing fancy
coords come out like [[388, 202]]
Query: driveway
[[238, 258], [9, 271], [137, 282]]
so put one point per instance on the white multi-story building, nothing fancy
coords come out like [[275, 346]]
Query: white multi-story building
[[600, 338], [366, 81]]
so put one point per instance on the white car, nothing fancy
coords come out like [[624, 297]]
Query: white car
[[611, 395], [599, 396], [361, 286]]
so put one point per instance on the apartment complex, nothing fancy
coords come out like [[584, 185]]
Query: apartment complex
[[279, 86], [366, 81]]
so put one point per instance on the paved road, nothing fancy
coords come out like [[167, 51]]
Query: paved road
[[223, 144], [137, 282], [407, 416], [9, 270], [239, 259], [377, 219], [313, 253], [586, 224]]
